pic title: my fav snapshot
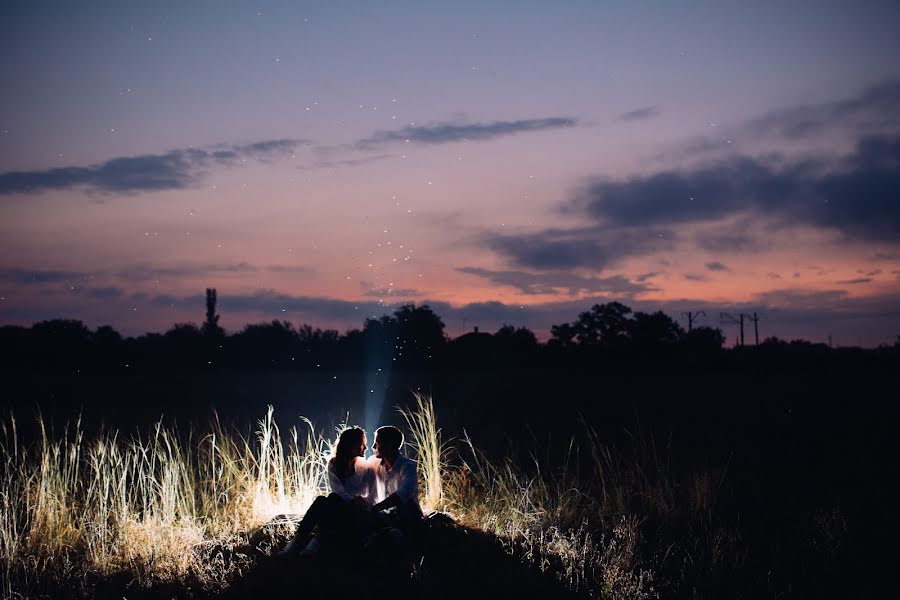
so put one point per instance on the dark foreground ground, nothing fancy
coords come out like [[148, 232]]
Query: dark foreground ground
[[450, 562]]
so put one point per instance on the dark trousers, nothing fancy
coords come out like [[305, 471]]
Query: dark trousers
[[329, 513], [341, 520], [407, 518]]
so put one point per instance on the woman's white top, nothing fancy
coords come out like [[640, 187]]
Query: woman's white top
[[357, 484]]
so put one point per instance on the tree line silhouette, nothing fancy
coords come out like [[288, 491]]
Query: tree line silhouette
[[413, 337]]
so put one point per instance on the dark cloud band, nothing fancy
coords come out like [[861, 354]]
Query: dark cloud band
[[173, 170], [595, 248], [550, 283], [444, 133], [856, 195], [639, 114]]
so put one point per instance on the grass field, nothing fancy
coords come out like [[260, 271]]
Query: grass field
[[182, 509]]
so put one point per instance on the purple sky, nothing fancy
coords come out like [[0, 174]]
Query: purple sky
[[503, 162]]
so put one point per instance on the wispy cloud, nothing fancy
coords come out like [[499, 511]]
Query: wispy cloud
[[802, 299], [275, 303], [392, 293], [645, 276], [448, 132], [152, 272], [141, 272], [639, 114], [290, 269], [550, 283], [21, 276], [104, 293], [874, 110], [731, 238], [717, 266], [173, 170], [855, 281], [325, 163]]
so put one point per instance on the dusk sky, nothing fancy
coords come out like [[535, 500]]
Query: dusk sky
[[503, 162]]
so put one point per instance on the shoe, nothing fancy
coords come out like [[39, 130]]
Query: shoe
[[290, 548]]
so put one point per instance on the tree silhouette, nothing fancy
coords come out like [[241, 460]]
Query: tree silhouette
[[562, 336], [606, 324], [266, 344], [412, 338], [211, 326], [184, 344], [515, 346], [705, 339], [654, 330], [59, 342], [108, 345], [420, 333]]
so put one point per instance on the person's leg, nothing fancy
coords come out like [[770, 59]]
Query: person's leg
[[320, 511], [336, 514], [409, 521]]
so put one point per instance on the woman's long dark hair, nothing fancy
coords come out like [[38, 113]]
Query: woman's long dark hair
[[346, 451]]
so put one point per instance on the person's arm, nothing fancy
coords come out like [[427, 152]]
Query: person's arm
[[409, 482], [335, 484], [389, 502], [408, 488], [364, 495]]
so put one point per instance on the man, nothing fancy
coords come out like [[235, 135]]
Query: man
[[395, 481]]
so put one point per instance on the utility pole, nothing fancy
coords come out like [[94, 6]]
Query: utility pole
[[755, 319], [739, 320], [691, 316]]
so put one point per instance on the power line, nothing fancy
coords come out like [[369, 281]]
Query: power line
[[755, 319], [691, 316], [739, 320]]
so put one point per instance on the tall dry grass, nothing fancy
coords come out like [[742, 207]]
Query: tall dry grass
[[547, 515], [154, 506], [167, 506], [430, 451]]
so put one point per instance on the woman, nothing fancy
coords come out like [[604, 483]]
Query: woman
[[348, 475], [344, 510]]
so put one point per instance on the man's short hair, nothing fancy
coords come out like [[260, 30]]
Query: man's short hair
[[390, 436]]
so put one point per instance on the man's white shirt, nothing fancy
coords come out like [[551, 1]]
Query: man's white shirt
[[402, 479]]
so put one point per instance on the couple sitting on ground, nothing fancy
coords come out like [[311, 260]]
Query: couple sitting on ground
[[367, 496]]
